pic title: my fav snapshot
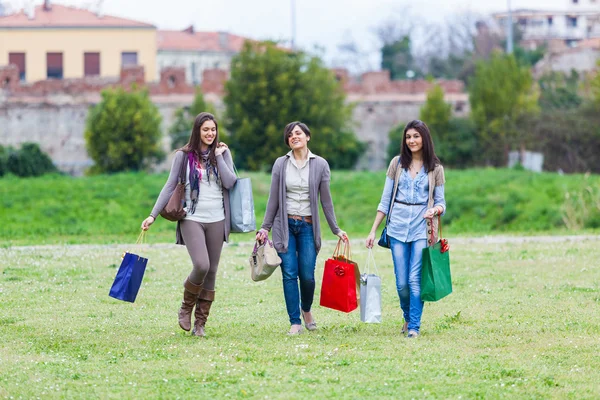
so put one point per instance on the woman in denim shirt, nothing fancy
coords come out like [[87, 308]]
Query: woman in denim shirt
[[415, 181]]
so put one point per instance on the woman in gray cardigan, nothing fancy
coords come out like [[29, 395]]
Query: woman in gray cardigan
[[298, 179], [209, 175]]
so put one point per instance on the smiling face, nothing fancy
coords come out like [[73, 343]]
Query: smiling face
[[414, 141], [297, 139], [208, 134]]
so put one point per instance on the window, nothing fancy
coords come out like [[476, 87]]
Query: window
[[54, 65], [91, 64], [572, 22], [550, 21], [129, 58], [19, 60], [574, 1]]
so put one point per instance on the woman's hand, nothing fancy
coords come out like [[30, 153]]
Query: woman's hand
[[262, 235], [342, 235], [432, 212], [147, 222], [370, 240], [221, 147]]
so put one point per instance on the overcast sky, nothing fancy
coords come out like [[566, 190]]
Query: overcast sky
[[326, 23]]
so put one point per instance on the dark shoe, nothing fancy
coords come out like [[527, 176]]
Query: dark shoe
[[190, 294], [311, 326], [413, 334], [404, 328], [203, 304]]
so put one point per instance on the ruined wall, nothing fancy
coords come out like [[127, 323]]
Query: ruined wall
[[53, 113]]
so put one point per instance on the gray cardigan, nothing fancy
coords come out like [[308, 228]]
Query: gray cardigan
[[318, 186], [228, 180]]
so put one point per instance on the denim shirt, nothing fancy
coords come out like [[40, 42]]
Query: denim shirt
[[407, 223]]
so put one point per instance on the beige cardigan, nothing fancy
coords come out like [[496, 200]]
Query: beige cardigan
[[435, 177]]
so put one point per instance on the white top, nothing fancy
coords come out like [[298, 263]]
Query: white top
[[296, 185], [210, 199]]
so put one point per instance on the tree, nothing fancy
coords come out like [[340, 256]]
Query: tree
[[123, 132], [436, 113], [595, 86], [398, 59], [395, 141], [501, 92], [559, 92], [270, 87], [184, 120]]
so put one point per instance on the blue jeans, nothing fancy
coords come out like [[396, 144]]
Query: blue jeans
[[408, 259], [299, 262]]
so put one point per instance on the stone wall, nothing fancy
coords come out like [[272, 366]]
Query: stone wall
[[53, 113]]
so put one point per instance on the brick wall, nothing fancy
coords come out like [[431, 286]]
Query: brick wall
[[53, 112]]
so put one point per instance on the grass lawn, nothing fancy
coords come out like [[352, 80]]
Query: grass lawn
[[523, 322], [109, 209]]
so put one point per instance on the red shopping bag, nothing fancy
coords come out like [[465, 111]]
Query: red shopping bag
[[338, 289]]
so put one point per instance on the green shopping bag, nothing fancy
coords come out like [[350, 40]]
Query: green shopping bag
[[436, 281]]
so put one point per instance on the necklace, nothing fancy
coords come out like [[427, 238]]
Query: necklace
[[415, 167]]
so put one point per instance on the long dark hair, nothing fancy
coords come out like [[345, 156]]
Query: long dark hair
[[193, 145], [430, 160]]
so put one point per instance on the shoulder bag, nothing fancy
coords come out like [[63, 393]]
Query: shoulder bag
[[174, 211]]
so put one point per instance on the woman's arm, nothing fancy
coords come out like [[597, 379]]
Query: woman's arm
[[167, 190], [327, 201], [273, 202], [371, 238], [169, 187], [226, 171], [382, 210]]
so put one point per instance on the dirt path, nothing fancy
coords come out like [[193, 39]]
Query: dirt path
[[355, 242]]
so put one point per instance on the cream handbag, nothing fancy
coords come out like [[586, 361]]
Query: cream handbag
[[263, 261]]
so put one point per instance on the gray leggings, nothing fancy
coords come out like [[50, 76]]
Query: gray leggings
[[204, 242]]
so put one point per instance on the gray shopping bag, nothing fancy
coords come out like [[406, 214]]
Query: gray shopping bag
[[241, 204], [370, 293]]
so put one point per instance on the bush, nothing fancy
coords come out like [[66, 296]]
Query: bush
[[29, 160], [3, 160], [123, 132], [460, 146], [569, 140]]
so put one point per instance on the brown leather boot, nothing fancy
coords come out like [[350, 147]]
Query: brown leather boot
[[190, 294], [205, 300]]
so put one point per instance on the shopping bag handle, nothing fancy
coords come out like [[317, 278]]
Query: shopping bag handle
[[257, 244], [343, 251], [439, 228], [141, 238], [371, 260]]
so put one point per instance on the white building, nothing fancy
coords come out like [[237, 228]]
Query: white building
[[196, 51], [578, 21]]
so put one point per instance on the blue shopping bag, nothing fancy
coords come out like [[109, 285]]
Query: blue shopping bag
[[129, 277]]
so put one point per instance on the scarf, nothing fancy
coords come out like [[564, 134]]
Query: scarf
[[196, 166]]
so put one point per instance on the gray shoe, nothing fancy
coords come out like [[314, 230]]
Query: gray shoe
[[300, 331], [412, 334], [311, 326]]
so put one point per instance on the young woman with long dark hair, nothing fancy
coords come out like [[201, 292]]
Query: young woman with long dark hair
[[415, 184], [209, 176]]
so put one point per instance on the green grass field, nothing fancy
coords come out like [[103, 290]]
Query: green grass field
[[522, 323], [109, 209]]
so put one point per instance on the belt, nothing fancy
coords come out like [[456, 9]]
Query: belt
[[410, 204], [307, 219]]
